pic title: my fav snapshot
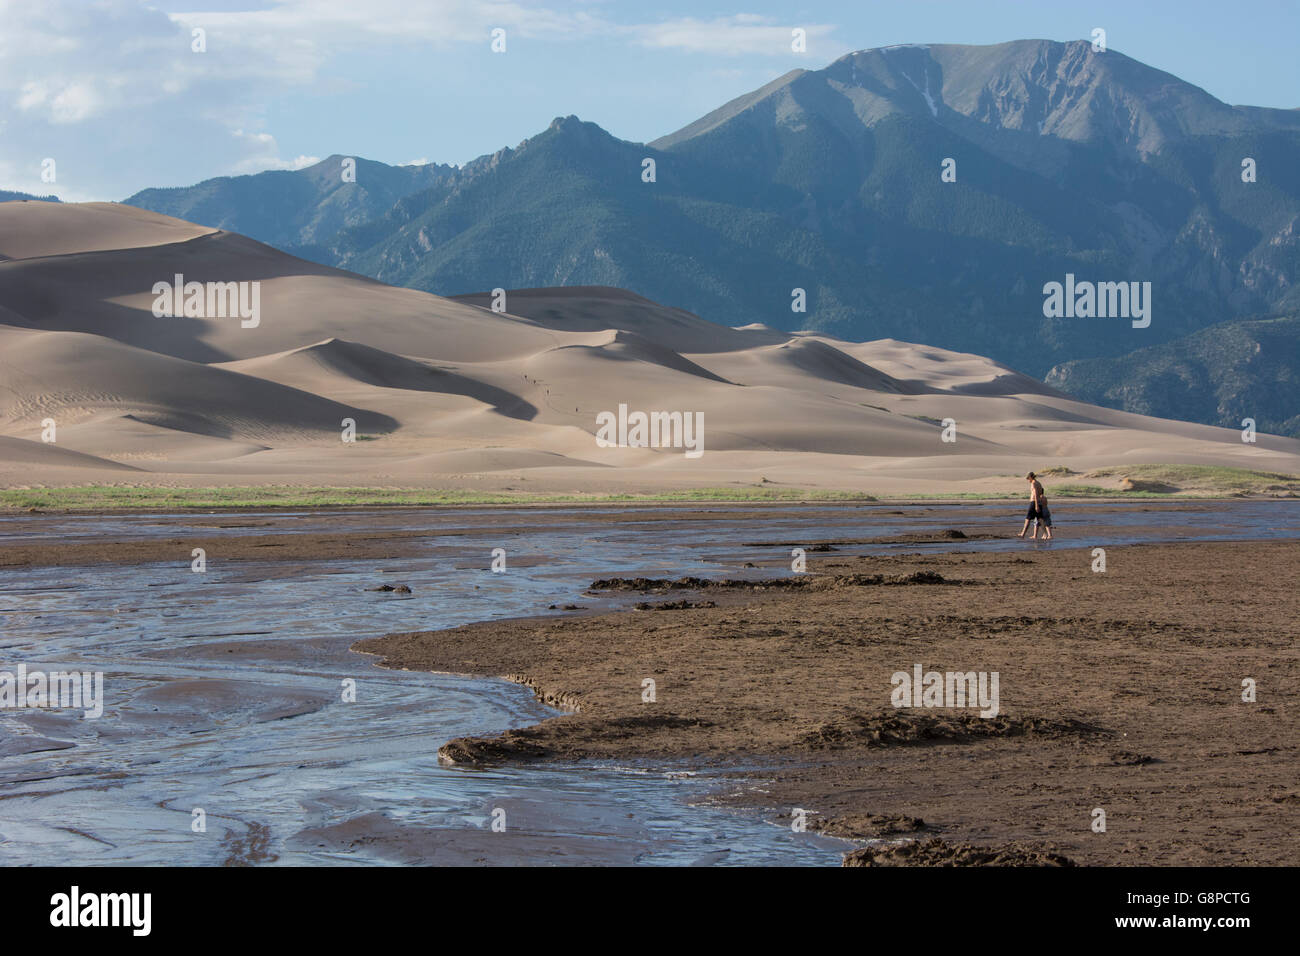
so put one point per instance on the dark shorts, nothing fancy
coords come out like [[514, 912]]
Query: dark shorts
[[1042, 513]]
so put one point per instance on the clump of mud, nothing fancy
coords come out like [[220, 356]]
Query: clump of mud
[[809, 581], [538, 743], [820, 547], [936, 852], [674, 605], [1127, 758], [907, 728], [690, 583], [912, 537], [867, 826]]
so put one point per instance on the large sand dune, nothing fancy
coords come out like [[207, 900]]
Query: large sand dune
[[448, 393]]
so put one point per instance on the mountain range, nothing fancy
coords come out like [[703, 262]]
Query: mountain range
[[1065, 161], [1225, 374]]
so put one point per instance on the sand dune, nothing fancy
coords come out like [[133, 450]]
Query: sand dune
[[589, 308], [23, 451], [75, 376], [448, 393], [31, 228], [805, 364], [927, 368], [334, 364], [616, 345], [108, 291]]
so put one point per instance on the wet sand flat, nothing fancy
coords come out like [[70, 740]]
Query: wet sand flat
[[771, 688], [1119, 691], [93, 538], [224, 691]]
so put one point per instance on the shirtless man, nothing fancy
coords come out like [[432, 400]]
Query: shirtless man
[[1038, 511]]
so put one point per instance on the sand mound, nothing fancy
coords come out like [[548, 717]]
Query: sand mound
[[110, 293], [28, 452], [825, 361], [74, 377], [32, 229], [596, 308], [630, 347], [804, 363], [322, 367], [927, 368]]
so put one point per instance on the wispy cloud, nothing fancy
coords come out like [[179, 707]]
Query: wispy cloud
[[100, 85], [264, 153], [738, 35]]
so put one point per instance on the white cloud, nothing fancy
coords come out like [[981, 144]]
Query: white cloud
[[72, 61], [75, 102], [113, 90], [263, 152], [32, 95], [300, 162], [741, 34], [297, 31]]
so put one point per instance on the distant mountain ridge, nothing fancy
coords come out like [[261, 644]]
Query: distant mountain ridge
[[289, 208], [1218, 376], [1064, 90], [10, 196], [1066, 161]]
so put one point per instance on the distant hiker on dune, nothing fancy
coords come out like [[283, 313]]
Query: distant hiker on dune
[[1038, 511]]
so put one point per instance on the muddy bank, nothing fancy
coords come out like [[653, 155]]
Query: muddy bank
[[819, 582], [1118, 692], [935, 852]]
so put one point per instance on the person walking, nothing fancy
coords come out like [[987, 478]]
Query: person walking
[[1038, 512]]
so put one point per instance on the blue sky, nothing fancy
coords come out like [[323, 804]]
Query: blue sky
[[113, 92]]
